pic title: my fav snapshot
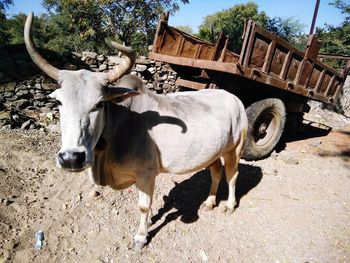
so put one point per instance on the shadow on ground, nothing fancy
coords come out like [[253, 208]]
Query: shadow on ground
[[186, 197], [306, 130]]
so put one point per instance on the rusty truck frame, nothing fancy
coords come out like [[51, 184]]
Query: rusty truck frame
[[273, 79]]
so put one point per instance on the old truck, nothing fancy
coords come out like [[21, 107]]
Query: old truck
[[273, 79]]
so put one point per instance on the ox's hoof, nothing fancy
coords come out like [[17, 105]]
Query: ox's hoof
[[138, 246], [205, 207], [227, 210]]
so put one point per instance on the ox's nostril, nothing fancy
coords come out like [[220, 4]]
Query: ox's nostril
[[79, 157], [71, 160], [63, 157]]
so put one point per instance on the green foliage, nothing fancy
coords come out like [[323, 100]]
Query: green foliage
[[78, 25], [84, 25], [15, 29], [4, 36], [4, 4], [301, 41], [231, 23], [186, 29], [344, 8], [41, 30], [336, 39], [288, 28]]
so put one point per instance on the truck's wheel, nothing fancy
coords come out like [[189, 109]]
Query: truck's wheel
[[266, 123]]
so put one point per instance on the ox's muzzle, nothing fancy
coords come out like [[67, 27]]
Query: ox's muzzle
[[71, 161]]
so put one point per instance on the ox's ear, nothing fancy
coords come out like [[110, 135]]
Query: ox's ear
[[119, 94]]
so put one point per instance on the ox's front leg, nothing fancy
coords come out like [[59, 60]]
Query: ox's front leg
[[145, 187]]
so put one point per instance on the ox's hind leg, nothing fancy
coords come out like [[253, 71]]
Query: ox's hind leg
[[231, 170], [215, 172], [145, 187]]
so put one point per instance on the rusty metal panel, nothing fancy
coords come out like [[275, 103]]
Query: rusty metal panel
[[171, 41], [168, 44], [264, 58], [325, 83], [278, 60], [258, 55], [230, 58], [334, 87], [206, 52], [312, 48], [315, 78], [286, 64], [293, 68], [187, 49], [304, 72]]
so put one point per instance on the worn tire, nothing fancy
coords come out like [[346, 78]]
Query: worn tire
[[266, 120]]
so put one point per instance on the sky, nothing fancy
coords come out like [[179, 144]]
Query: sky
[[192, 14]]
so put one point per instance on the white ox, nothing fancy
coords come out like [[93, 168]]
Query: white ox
[[128, 135]]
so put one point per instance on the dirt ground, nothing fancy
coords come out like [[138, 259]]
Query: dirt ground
[[293, 207]]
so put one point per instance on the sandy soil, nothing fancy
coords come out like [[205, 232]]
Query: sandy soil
[[293, 207]]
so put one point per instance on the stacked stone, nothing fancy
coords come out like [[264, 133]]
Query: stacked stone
[[24, 100], [157, 76], [26, 104]]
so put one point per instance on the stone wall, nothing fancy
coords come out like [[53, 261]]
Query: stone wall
[[24, 89]]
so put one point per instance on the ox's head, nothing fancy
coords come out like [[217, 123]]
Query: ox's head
[[81, 98]]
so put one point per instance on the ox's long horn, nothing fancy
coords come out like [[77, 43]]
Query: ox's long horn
[[126, 64], [34, 54]]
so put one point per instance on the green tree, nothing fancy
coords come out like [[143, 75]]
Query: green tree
[[129, 20], [4, 4], [84, 25], [344, 9], [336, 39], [78, 25], [231, 23], [15, 29], [288, 28], [186, 29], [4, 37]]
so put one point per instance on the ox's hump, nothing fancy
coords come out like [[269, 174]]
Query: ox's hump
[[131, 82]]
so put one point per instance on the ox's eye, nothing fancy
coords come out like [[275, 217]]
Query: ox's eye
[[58, 103], [98, 106]]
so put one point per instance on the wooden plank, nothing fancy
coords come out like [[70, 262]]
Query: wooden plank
[[249, 46], [223, 51], [279, 41], [330, 84], [247, 30], [191, 84], [332, 56], [286, 65], [198, 51], [312, 48], [268, 58], [320, 80], [180, 46], [196, 63], [261, 77]]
